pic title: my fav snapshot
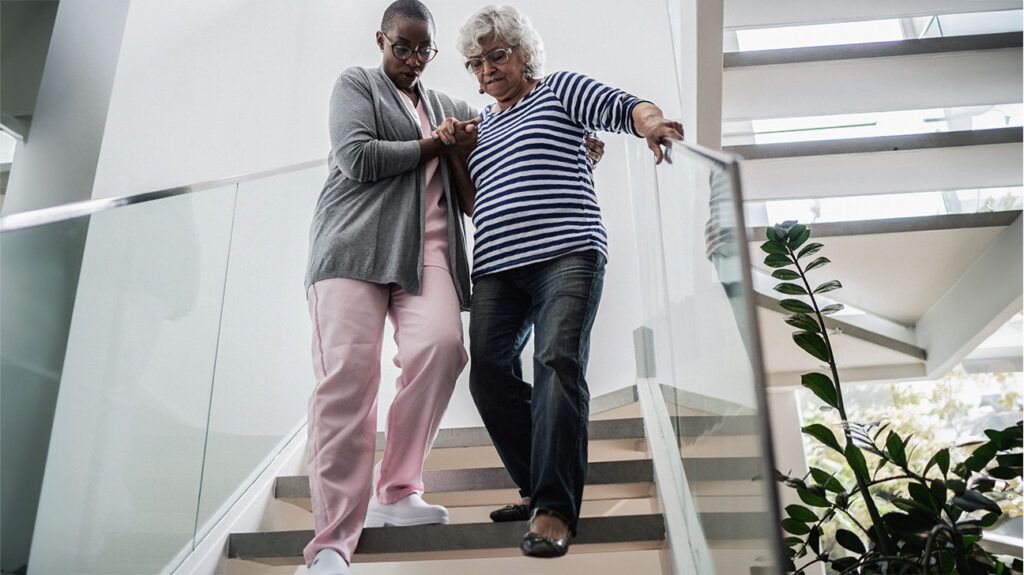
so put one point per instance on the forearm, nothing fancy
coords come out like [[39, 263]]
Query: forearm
[[430, 149], [645, 117], [465, 189]]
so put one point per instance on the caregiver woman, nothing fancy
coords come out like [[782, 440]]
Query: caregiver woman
[[539, 255]]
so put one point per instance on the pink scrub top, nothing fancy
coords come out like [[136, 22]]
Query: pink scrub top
[[435, 221]]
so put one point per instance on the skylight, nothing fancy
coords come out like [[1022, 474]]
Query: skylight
[[889, 30], [885, 206], [819, 35], [865, 125]]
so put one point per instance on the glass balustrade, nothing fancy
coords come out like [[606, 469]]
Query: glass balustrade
[[704, 351], [186, 368]]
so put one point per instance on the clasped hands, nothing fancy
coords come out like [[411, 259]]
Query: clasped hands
[[459, 138]]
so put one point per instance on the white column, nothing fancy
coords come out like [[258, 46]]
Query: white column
[[56, 164], [697, 37]]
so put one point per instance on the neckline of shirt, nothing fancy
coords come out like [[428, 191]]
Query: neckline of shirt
[[506, 111]]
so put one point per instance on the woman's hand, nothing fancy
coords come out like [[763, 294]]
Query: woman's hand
[[650, 122], [595, 150], [458, 137], [660, 132]]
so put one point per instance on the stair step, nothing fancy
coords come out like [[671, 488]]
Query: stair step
[[909, 47], [608, 429], [597, 534], [605, 480]]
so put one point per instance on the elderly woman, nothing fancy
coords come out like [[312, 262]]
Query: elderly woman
[[539, 258]]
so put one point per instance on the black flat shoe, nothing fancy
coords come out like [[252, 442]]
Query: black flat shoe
[[534, 545], [514, 512]]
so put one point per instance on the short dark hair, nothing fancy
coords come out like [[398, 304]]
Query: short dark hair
[[412, 9]]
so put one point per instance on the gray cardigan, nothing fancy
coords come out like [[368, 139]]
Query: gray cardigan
[[368, 223]]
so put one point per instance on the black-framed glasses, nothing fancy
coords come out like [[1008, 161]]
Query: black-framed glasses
[[424, 54], [495, 57]]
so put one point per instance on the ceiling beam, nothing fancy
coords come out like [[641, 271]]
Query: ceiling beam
[[954, 79], [905, 225], [985, 297], [910, 47], [848, 326], [904, 171], [878, 144]]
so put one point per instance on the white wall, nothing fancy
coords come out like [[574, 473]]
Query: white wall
[[207, 90]]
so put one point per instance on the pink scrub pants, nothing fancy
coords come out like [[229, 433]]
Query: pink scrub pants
[[348, 331]]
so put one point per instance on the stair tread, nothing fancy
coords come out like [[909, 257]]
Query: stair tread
[[605, 429], [598, 473], [285, 547], [433, 538]]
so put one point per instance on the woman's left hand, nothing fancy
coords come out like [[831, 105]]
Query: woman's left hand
[[660, 132]]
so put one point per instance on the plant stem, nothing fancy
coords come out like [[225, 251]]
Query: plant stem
[[876, 518], [855, 522]]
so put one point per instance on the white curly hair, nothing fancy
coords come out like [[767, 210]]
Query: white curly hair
[[509, 25]]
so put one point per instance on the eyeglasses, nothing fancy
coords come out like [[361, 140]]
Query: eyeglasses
[[424, 54], [495, 57]]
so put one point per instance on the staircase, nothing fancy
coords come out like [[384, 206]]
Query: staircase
[[621, 523]]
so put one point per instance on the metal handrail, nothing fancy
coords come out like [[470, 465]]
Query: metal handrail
[[70, 211]]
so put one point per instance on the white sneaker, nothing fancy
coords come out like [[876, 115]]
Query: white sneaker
[[411, 510], [329, 562]]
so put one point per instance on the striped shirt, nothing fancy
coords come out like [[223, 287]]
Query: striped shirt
[[535, 198]]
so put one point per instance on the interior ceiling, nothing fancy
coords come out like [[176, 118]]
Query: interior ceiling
[[897, 276], [782, 355]]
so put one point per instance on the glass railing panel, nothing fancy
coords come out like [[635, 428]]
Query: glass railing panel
[[698, 306], [122, 478], [263, 374], [37, 295]]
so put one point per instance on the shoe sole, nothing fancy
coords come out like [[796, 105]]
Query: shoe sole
[[373, 521]]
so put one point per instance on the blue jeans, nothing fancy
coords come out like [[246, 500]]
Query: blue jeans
[[540, 431]]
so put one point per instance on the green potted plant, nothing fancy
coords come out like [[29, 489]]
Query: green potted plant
[[939, 511]]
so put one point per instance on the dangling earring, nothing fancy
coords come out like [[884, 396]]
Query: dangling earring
[[481, 90]]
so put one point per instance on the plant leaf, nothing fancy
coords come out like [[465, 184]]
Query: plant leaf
[[795, 527], [771, 247], [809, 249], [799, 240], [980, 457], [828, 286], [773, 233], [941, 458], [822, 387], [896, 449], [804, 322], [790, 289], [777, 261], [812, 344], [801, 513], [849, 540], [794, 231], [1005, 473], [921, 495], [813, 498], [938, 491], [831, 309], [829, 482], [857, 462], [823, 434], [796, 306], [817, 264], [972, 500], [784, 274]]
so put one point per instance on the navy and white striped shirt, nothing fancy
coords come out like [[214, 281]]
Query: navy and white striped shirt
[[535, 198]]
